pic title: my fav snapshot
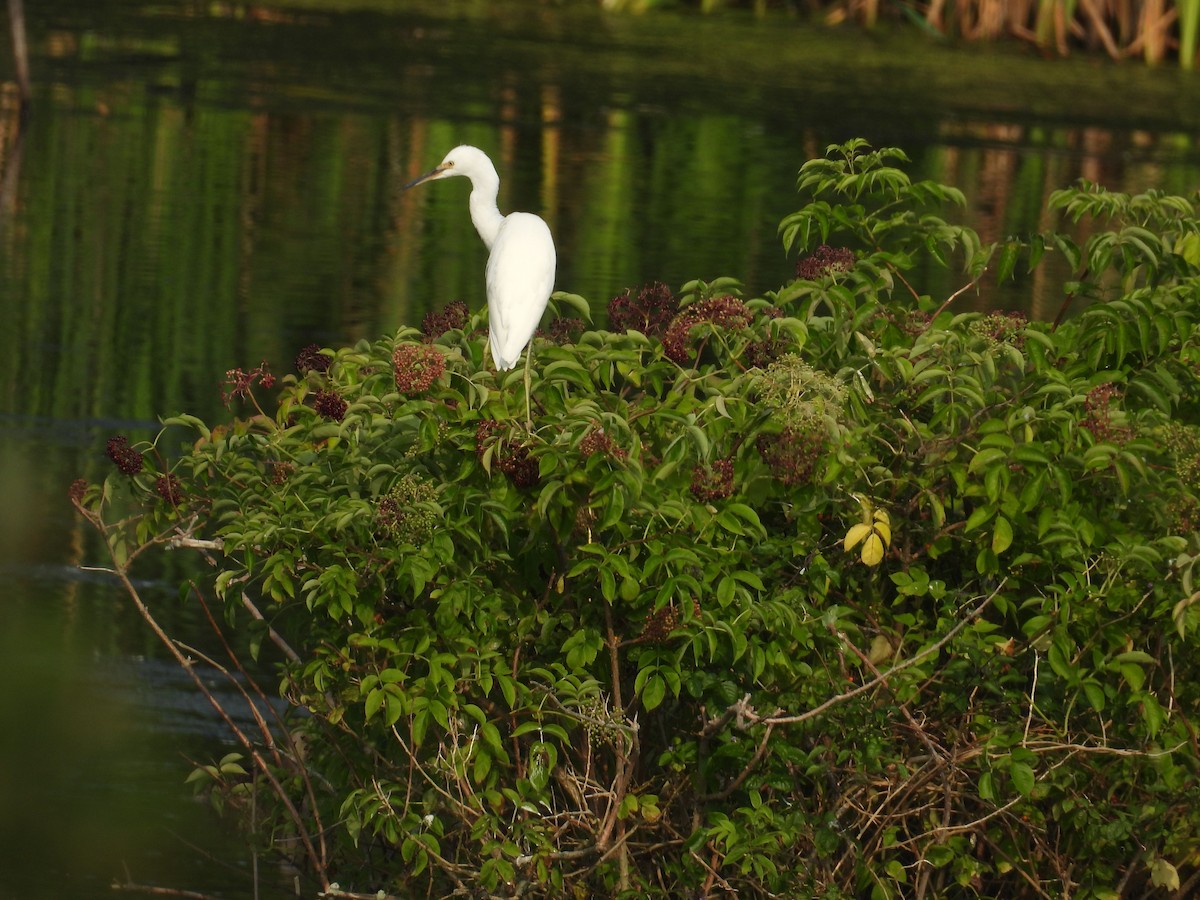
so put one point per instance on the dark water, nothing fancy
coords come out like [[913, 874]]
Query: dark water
[[207, 185]]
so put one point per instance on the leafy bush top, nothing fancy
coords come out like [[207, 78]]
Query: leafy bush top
[[831, 592]]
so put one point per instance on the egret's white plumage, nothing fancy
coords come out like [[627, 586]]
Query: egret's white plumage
[[521, 261], [520, 277]]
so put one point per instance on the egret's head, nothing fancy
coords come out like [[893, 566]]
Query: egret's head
[[462, 160]]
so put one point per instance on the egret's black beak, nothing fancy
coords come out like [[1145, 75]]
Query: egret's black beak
[[428, 176]]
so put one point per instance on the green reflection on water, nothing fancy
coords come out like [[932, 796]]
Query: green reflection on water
[[97, 731]]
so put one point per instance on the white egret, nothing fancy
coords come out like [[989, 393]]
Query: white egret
[[521, 260]]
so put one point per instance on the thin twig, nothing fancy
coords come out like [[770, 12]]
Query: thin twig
[[275, 636], [944, 831], [1032, 698], [122, 574], [186, 542], [759, 753], [884, 676], [903, 707], [626, 759], [1057, 746], [962, 290], [131, 887]]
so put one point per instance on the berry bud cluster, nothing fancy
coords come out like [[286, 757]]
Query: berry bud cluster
[[825, 260], [417, 367], [238, 382], [1099, 419], [713, 482]]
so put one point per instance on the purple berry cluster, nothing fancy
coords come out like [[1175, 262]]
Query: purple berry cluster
[[311, 359], [514, 460], [727, 312], [124, 457], [451, 316], [565, 331], [280, 471], [650, 311], [792, 454], [597, 441], [168, 487], [330, 404], [659, 624]]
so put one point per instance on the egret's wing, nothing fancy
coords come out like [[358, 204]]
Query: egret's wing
[[520, 277]]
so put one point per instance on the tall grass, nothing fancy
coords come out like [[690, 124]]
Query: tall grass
[[1151, 29]]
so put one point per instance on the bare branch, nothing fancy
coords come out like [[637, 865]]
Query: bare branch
[[173, 648], [186, 542], [884, 676], [275, 636], [132, 887], [962, 290]]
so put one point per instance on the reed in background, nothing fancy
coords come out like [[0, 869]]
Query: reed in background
[[1155, 30]]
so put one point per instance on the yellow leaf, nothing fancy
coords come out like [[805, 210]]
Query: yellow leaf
[[856, 534], [1164, 875], [1188, 247], [884, 530], [872, 551], [881, 650]]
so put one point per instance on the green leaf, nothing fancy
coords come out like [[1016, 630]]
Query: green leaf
[[1134, 675], [1022, 777], [1002, 535], [987, 790], [508, 689], [978, 517], [374, 702], [574, 302], [483, 765], [420, 724], [1008, 260], [491, 738], [987, 457], [653, 692]]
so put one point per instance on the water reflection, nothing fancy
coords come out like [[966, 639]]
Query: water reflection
[[98, 730], [204, 186]]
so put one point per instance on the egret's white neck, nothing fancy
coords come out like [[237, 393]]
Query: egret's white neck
[[485, 186]]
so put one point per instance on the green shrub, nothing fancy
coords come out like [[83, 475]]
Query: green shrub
[[831, 592]]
